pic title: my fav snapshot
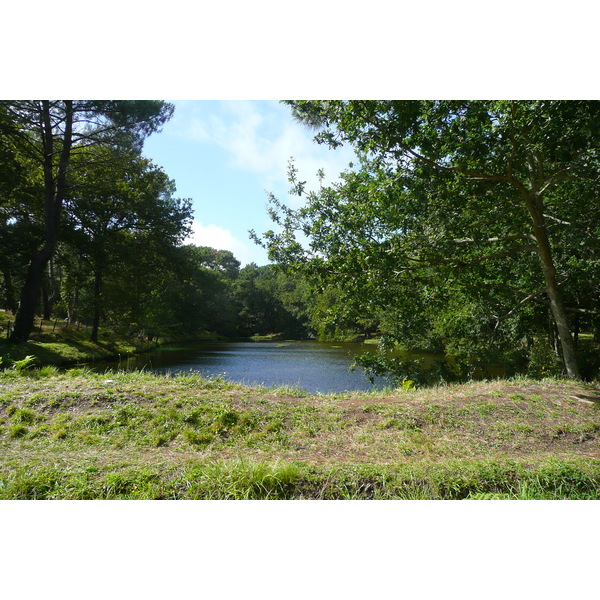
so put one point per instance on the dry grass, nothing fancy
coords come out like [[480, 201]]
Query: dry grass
[[502, 419], [132, 435]]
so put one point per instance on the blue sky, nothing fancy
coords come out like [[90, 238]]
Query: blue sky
[[226, 156]]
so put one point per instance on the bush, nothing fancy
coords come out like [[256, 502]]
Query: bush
[[543, 361]]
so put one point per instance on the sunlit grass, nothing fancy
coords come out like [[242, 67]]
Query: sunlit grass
[[141, 431], [257, 480]]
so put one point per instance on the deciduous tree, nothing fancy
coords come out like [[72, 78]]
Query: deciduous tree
[[494, 199]]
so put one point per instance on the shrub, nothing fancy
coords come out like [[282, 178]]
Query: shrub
[[543, 361]]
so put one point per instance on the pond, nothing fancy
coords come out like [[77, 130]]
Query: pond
[[317, 367]]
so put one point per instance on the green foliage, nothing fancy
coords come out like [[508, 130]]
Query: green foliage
[[44, 139], [198, 438], [139, 435], [22, 415], [25, 363], [543, 361], [466, 227], [17, 431], [270, 302], [278, 480], [18, 366]]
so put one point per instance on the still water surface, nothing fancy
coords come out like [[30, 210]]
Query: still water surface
[[318, 367]]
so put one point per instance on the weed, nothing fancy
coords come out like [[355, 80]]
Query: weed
[[227, 418], [24, 415], [536, 398], [196, 417], [407, 385], [40, 431], [79, 372], [161, 439], [17, 431], [274, 426], [486, 408], [24, 364], [59, 433], [442, 416], [198, 438], [292, 391]]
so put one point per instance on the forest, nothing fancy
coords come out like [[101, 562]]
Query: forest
[[92, 232], [466, 228]]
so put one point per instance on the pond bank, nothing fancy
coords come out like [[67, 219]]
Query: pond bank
[[71, 348]]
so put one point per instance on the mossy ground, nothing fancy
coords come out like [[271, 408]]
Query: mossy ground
[[139, 435]]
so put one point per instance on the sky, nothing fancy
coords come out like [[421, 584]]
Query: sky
[[226, 156]]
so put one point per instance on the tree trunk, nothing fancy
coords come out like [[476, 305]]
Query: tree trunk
[[535, 206], [9, 291], [50, 291], [576, 329], [30, 296], [54, 191], [46, 309], [73, 306], [97, 301]]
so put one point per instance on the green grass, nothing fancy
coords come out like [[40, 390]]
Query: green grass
[[57, 343], [77, 434], [250, 480]]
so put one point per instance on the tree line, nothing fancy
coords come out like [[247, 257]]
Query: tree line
[[466, 228]]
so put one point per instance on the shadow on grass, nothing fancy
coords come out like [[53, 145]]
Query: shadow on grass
[[60, 353]]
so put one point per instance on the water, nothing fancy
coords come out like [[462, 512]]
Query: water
[[317, 367]]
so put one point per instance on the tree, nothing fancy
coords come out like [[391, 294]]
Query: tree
[[269, 301], [204, 280], [116, 192], [451, 200], [50, 133], [21, 186]]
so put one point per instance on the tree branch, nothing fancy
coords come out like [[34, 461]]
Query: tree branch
[[471, 174], [453, 261], [508, 238], [557, 220], [521, 303]]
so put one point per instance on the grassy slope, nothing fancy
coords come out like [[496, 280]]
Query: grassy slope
[[65, 346], [70, 345], [139, 435]]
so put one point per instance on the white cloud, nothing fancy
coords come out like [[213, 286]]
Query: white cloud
[[261, 137], [222, 239]]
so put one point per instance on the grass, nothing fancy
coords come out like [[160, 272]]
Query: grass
[[54, 342], [67, 347], [77, 434]]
